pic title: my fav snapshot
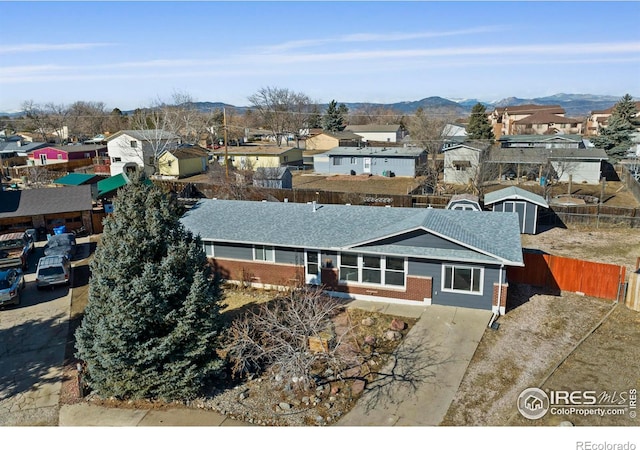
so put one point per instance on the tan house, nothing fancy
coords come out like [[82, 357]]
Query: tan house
[[184, 161], [543, 122], [504, 119], [250, 157], [599, 119], [326, 140]]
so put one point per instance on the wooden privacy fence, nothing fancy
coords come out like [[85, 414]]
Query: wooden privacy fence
[[558, 273]]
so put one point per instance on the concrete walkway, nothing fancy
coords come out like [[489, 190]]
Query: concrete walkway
[[419, 383], [415, 388]]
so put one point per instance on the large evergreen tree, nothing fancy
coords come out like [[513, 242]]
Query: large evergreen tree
[[335, 117], [615, 138], [152, 321], [479, 128]]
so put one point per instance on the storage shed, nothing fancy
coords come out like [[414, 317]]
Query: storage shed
[[523, 202]]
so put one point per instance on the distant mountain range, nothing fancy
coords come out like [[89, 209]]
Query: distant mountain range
[[575, 105]]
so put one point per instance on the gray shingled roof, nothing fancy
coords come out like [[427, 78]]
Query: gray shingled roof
[[377, 152], [31, 202], [488, 236], [514, 193]]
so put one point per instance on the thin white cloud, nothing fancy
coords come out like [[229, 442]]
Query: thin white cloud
[[32, 48], [374, 37]]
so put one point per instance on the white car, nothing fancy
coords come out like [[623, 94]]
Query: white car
[[53, 271]]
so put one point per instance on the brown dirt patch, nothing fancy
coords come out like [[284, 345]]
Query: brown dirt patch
[[361, 184]]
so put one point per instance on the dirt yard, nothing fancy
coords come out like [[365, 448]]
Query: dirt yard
[[361, 184], [540, 343]]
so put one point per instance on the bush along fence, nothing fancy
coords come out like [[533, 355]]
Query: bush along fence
[[557, 273]]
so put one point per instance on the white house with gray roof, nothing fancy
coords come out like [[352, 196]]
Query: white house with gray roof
[[139, 149], [385, 161], [406, 255]]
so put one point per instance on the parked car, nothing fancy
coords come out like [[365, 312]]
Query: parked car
[[11, 283], [53, 271], [15, 249], [61, 244]]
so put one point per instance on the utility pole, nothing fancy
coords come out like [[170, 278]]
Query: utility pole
[[226, 150]]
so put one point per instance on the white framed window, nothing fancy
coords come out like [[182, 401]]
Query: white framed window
[[353, 160], [207, 246], [372, 269], [337, 161], [133, 144], [462, 279], [116, 159], [263, 253]]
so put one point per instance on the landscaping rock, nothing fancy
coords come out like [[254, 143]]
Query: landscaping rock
[[397, 325], [357, 387], [370, 340], [284, 406], [368, 321], [393, 335]]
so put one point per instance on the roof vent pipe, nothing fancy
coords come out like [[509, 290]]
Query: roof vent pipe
[[315, 206]]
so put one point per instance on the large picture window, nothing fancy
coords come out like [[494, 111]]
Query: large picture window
[[462, 279], [368, 269]]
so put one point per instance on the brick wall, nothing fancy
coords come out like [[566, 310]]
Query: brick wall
[[256, 272], [418, 288], [496, 293]]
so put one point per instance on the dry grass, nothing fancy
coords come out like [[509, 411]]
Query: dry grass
[[356, 184]]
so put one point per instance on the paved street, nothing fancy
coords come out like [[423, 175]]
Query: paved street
[[32, 344]]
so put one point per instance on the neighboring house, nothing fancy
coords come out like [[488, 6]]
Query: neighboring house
[[184, 161], [597, 120], [464, 202], [453, 135], [504, 119], [462, 162], [273, 178], [131, 150], [536, 141], [583, 165], [385, 161], [66, 153], [46, 207], [523, 202], [326, 140], [543, 122], [405, 255], [250, 157], [378, 133]]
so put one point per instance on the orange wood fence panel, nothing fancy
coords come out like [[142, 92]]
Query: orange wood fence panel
[[558, 273]]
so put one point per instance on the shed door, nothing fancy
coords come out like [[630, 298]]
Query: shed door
[[521, 209], [367, 165]]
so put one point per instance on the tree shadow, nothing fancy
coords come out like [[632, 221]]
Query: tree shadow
[[29, 351], [408, 367]]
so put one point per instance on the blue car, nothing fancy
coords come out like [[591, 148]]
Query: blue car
[[11, 283]]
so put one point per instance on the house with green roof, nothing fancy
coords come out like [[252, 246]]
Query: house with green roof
[[404, 255]]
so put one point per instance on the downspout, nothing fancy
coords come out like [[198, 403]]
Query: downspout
[[496, 312]]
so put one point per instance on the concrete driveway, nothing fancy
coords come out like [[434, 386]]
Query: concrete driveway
[[419, 383], [32, 345]]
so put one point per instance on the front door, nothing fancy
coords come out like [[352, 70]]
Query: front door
[[312, 267], [367, 165], [43, 159]]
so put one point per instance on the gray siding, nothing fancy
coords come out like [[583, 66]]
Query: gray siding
[[418, 238], [433, 269], [233, 251], [289, 256], [527, 213], [402, 167]]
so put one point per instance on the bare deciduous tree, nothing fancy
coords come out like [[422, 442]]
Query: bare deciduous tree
[[275, 338], [282, 111], [49, 120]]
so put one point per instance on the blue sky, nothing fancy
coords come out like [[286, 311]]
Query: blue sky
[[129, 54]]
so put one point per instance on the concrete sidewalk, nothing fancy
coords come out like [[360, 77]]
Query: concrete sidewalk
[[419, 384], [416, 388]]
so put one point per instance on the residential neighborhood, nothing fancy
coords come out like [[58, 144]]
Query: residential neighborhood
[[361, 226]]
